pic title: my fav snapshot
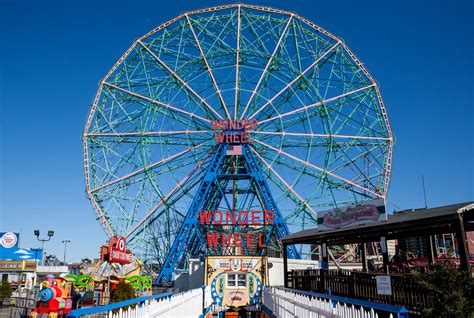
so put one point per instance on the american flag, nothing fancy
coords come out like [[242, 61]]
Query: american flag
[[234, 150]]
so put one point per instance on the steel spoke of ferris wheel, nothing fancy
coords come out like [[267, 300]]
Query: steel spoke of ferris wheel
[[185, 188], [208, 67], [283, 133], [184, 83], [151, 100], [237, 80], [317, 103], [148, 133], [290, 188], [166, 197], [283, 33], [351, 160], [162, 161], [315, 63], [307, 163]]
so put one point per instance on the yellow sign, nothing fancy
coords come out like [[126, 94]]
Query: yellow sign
[[236, 281]]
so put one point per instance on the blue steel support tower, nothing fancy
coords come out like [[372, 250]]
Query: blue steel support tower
[[189, 242]]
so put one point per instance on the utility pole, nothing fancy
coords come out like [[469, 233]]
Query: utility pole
[[65, 245], [50, 235], [424, 191]]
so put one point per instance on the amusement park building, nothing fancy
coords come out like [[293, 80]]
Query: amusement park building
[[456, 219]]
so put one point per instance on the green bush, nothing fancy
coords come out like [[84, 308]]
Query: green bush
[[5, 290], [123, 291], [453, 291]]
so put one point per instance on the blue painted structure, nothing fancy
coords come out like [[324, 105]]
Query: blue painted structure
[[190, 241]]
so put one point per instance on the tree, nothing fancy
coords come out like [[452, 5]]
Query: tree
[[5, 290], [453, 291], [123, 291]]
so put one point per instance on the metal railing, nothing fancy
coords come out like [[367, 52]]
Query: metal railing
[[406, 290]]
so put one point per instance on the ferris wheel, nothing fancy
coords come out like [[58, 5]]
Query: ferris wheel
[[320, 134]]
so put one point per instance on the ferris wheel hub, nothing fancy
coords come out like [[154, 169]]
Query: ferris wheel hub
[[233, 131]]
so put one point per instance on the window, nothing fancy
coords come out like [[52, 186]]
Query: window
[[231, 280], [242, 280], [236, 280]]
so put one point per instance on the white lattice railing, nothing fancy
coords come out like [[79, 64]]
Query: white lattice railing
[[186, 304], [286, 303]]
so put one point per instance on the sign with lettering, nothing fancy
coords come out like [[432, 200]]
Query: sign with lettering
[[116, 251], [250, 238], [364, 212], [233, 131], [237, 264], [384, 285], [9, 239], [18, 266]]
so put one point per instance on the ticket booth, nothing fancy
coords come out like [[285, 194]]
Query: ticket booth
[[236, 281]]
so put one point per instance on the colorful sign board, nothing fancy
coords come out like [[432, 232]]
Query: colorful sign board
[[236, 281], [364, 212], [10, 250]]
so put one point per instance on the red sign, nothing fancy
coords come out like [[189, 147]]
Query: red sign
[[251, 239], [117, 251]]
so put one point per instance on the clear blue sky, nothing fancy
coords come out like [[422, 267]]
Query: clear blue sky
[[54, 53]]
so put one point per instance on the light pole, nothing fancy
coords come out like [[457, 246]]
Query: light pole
[[50, 235], [65, 244]]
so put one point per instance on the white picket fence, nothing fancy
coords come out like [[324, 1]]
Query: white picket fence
[[284, 303], [186, 304]]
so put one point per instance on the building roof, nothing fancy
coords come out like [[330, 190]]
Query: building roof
[[403, 224]]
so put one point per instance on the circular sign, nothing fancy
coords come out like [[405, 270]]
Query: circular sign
[[9, 240], [121, 244]]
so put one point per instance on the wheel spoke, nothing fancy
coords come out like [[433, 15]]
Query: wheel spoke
[[216, 87], [319, 168], [315, 63], [162, 161], [185, 84], [166, 197], [283, 133], [305, 203], [267, 66], [151, 100], [317, 104]]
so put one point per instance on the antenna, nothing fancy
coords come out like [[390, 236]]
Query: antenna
[[424, 190]]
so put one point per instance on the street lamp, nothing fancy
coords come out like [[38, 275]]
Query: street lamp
[[50, 235], [65, 244]]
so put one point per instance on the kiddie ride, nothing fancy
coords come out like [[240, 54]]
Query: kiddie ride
[[54, 298], [96, 288]]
